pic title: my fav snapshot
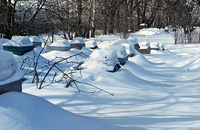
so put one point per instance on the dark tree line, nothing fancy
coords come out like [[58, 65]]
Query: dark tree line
[[84, 17]]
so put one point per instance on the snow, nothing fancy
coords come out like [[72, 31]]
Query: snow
[[150, 31], [8, 68], [1, 42], [120, 49], [155, 91], [60, 43], [144, 44], [77, 40], [35, 39], [134, 39], [103, 59], [91, 43], [19, 41], [20, 111], [154, 45], [129, 44]]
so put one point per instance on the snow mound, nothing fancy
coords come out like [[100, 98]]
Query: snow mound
[[120, 49], [161, 46], [91, 43], [19, 41], [130, 49], [61, 43], [154, 44], [103, 59], [20, 111], [134, 39], [1, 42], [77, 40], [141, 60], [35, 39], [9, 72], [150, 31], [144, 44]]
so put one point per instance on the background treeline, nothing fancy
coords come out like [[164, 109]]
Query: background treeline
[[86, 18]]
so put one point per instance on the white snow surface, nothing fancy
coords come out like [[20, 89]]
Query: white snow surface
[[19, 41], [129, 44], [91, 43], [35, 39], [20, 111], [60, 43], [1, 42], [154, 45], [9, 71], [134, 39], [144, 44], [101, 59], [158, 91], [77, 40], [120, 49], [150, 31]]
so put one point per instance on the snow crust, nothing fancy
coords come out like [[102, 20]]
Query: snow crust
[[19, 41]]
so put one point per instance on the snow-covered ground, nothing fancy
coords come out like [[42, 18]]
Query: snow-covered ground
[[155, 91]]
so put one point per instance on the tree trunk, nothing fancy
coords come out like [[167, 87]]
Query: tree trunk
[[92, 23], [79, 19]]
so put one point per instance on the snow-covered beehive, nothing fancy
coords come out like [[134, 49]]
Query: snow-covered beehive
[[36, 41], [130, 49], [121, 53], [135, 42], [77, 43], [154, 45], [92, 44], [145, 47], [59, 45], [19, 45], [161, 47], [103, 59], [10, 74]]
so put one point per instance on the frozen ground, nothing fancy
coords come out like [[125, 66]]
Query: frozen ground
[[155, 91]]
